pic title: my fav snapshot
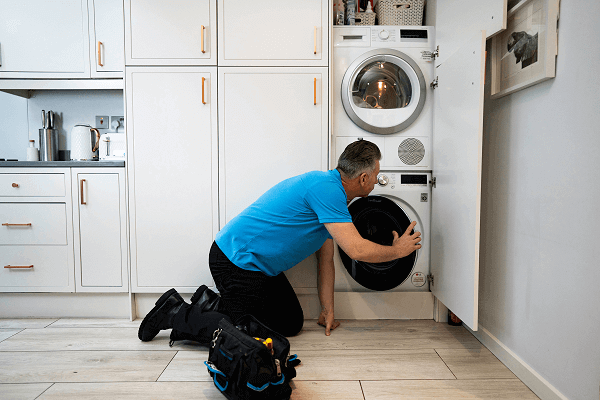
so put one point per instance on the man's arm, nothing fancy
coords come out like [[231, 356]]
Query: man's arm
[[325, 282], [357, 248]]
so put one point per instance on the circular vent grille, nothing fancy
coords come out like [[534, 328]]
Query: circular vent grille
[[411, 151]]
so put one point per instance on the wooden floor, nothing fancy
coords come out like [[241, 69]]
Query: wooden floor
[[371, 359]]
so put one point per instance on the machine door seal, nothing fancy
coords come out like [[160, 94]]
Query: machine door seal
[[375, 217], [383, 91]]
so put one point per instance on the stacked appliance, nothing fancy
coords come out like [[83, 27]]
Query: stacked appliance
[[381, 93]]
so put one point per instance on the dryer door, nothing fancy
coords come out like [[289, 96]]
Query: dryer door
[[375, 217], [383, 91]]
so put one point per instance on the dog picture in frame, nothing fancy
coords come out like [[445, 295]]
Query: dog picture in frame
[[525, 53]]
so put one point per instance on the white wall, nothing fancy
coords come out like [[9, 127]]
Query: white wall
[[540, 275], [21, 119], [72, 107]]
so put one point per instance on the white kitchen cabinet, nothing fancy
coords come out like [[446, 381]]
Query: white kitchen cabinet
[[100, 229], [107, 38], [44, 39], [61, 40], [159, 32], [36, 235], [172, 169], [274, 33], [273, 124]]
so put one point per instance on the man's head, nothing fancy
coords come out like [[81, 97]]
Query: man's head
[[359, 166]]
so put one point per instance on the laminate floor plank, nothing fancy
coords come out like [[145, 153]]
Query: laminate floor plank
[[95, 323], [326, 390], [344, 365], [26, 323], [133, 391], [105, 339], [6, 333], [187, 366], [384, 334], [503, 389], [474, 364], [22, 391], [83, 366]]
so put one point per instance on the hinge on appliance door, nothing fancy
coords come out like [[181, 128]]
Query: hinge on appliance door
[[432, 182], [434, 84], [436, 52], [430, 279]]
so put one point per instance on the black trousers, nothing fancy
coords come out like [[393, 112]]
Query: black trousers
[[270, 299]]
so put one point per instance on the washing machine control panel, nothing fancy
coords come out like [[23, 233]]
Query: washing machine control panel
[[382, 179], [383, 35]]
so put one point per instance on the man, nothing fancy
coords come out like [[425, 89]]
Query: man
[[297, 217]]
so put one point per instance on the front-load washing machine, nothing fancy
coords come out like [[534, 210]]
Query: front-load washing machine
[[381, 92], [399, 198]]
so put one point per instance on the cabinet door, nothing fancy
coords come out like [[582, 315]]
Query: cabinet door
[[159, 32], [172, 153], [272, 125], [273, 32], [44, 39], [456, 197], [107, 39], [100, 232]]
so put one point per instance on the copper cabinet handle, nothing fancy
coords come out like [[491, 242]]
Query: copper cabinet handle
[[202, 39], [15, 185], [18, 266], [100, 54], [203, 79], [81, 190], [315, 91], [7, 224], [315, 40]]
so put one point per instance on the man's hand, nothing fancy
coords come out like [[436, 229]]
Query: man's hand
[[407, 243], [327, 320]]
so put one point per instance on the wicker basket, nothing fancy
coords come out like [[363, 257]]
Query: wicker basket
[[400, 12], [365, 18]]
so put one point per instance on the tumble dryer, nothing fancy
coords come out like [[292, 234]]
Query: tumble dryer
[[381, 77], [399, 198]]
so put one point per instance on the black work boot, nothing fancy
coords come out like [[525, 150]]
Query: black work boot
[[206, 299], [161, 316]]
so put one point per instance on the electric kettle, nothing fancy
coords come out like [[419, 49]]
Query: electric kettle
[[85, 141]]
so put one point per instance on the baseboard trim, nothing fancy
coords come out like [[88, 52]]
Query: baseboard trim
[[538, 385], [65, 305], [372, 305]]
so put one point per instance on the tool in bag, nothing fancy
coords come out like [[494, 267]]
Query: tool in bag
[[244, 368]]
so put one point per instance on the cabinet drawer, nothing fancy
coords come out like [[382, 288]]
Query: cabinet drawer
[[35, 185], [33, 223], [48, 267]]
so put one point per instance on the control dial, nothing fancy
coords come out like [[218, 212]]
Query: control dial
[[382, 179], [384, 35]]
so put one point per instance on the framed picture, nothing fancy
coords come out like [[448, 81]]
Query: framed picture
[[525, 53]]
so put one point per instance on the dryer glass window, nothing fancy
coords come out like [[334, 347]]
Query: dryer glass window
[[383, 85]]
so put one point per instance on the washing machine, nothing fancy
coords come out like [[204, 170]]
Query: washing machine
[[399, 198], [381, 92]]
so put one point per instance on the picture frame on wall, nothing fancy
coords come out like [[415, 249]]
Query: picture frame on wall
[[525, 53]]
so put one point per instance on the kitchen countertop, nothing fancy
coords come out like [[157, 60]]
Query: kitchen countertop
[[64, 164]]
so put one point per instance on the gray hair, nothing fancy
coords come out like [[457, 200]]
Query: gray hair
[[358, 157]]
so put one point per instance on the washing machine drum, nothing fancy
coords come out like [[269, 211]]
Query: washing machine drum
[[383, 91], [375, 217]]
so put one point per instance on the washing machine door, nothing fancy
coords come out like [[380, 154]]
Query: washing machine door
[[375, 217], [383, 91]]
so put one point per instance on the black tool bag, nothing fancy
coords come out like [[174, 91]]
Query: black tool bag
[[244, 368]]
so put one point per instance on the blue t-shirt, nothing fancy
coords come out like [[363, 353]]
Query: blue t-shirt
[[285, 225]]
